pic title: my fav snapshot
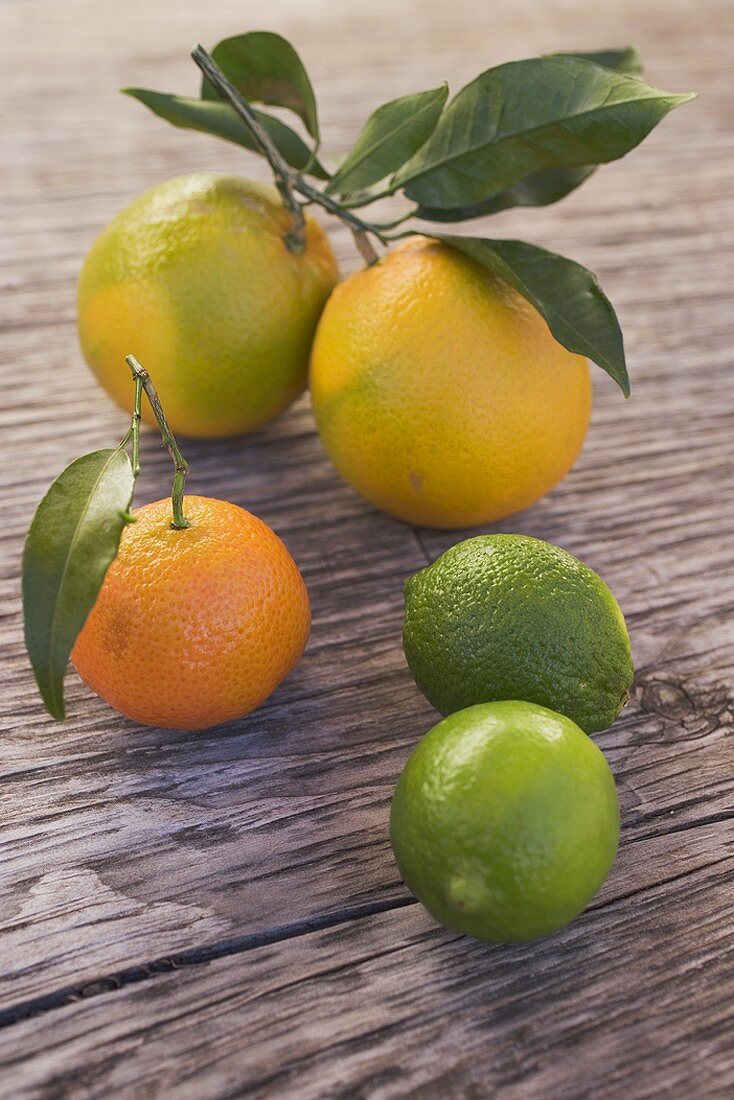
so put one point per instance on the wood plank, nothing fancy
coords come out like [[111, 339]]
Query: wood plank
[[626, 1002], [121, 845]]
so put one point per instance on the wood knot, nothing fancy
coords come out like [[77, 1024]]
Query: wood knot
[[667, 699], [684, 710]]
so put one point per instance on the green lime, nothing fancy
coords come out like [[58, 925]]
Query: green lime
[[505, 821], [512, 617]]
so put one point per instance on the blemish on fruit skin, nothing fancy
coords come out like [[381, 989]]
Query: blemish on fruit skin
[[416, 481]]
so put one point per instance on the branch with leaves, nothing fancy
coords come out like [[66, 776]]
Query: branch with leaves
[[526, 133]]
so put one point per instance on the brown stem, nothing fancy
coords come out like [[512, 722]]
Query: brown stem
[[286, 179], [296, 239], [361, 230], [365, 246]]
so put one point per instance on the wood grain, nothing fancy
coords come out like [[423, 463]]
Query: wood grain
[[122, 847], [390, 1007]]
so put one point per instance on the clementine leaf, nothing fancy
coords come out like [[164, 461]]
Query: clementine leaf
[[72, 540], [547, 185], [538, 189], [389, 137], [625, 60]]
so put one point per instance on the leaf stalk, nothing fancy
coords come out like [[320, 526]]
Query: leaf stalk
[[181, 466], [135, 425]]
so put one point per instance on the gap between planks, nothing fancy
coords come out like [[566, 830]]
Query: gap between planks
[[239, 945], [194, 956]]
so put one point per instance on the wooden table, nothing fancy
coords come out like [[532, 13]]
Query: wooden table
[[218, 914]]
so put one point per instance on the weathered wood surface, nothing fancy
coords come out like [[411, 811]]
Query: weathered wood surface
[[265, 842], [389, 1007]]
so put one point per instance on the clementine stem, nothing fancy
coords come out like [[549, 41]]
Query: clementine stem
[[181, 466], [135, 425]]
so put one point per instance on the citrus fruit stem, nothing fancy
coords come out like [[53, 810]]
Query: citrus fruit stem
[[296, 239], [133, 432], [361, 230], [135, 425], [181, 466], [286, 180]]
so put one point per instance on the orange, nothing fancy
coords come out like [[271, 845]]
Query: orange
[[194, 277], [440, 393], [198, 626]]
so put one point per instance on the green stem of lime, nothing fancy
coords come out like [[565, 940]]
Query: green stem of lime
[[181, 466]]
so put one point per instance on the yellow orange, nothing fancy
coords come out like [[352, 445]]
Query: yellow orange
[[194, 278], [440, 393]]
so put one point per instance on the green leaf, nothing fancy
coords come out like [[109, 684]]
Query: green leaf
[[548, 112], [549, 184], [626, 60], [578, 313], [538, 189], [266, 69], [392, 134], [72, 540], [219, 119]]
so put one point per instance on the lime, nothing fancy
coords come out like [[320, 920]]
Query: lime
[[505, 821], [512, 617]]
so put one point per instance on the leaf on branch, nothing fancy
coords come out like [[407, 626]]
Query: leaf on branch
[[625, 60], [519, 118], [265, 68], [549, 184], [577, 311], [72, 540], [390, 136], [219, 119], [538, 189]]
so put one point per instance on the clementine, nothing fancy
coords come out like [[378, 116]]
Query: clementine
[[194, 627]]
